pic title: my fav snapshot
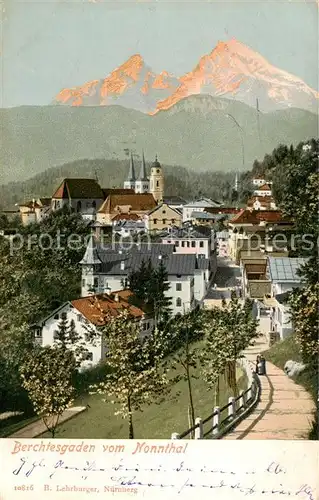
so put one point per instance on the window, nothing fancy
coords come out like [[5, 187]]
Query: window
[[78, 206], [187, 243], [177, 243], [155, 221], [178, 287], [38, 332], [164, 221], [83, 283], [96, 282], [193, 244], [79, 317], [173, 221], [157, 183], [94, 204], [63, 315], [201, 244], [56, 316], [158, 171], [183, 243], [179, 302], [178, 275]]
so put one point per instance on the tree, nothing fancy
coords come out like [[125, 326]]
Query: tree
[[137, 376], [179, 337], [149, 286], [228, 332], [298, 198], [47, 375], [66, 337]]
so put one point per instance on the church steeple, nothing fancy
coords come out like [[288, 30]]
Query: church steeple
[[130, 182], [143, 176], [131, 174]]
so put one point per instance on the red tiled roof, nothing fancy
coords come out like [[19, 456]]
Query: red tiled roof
[[141, 202], [79, 189], [98, 309], [264, 187], [247, 216], [125, 217], [264, 200]]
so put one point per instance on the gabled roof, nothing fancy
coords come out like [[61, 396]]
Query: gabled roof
[[158, 207], [135, 254], [203, 203], [246, 216], [108, 191], [77, 188], [131, 217], [264, 187], [44, 202], [98, 309], [139, 202], [174, 200], [283, 269]]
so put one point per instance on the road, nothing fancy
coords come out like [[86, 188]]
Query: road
[[227, 277]]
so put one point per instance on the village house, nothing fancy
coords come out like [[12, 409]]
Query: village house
[[265, 230], [264, 190], [198, 206], [283, 275], [262, 203], [162, 217], [89, 314], [110, 267], [193, 240], [115, 206], [34, 211], [84, 196]]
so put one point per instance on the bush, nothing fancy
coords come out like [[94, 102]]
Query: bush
[[88, 377]]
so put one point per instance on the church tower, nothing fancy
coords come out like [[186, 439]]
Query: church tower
[[131, 178], [157, 181], [142, 185]]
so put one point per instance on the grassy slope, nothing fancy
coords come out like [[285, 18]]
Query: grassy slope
[[281, 352], [156, 421]]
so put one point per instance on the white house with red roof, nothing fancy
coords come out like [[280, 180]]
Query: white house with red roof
[[264, 190], [89, 314]]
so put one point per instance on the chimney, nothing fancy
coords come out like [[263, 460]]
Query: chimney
[[116, 297], [122, 265]]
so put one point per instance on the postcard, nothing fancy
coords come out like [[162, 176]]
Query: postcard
[[159, 249]]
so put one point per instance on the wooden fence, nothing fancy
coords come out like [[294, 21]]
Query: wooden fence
[[223, 419]]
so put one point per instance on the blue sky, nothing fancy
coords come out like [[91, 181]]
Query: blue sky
[[53, 44]]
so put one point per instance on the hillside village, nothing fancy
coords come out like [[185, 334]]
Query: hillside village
[[205, 252]]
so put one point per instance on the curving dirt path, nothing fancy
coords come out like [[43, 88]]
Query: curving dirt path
[[285, 410]]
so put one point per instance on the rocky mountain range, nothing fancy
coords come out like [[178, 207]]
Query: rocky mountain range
[[232, 70]]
